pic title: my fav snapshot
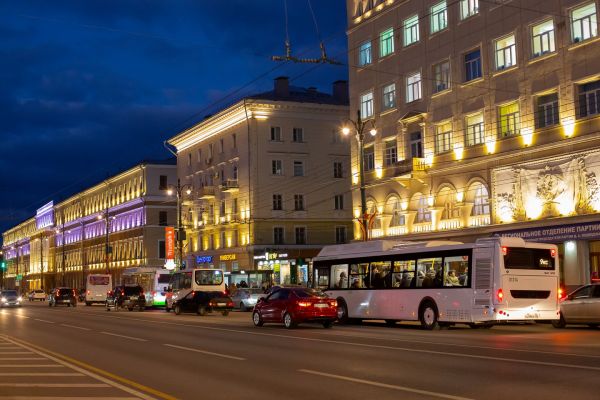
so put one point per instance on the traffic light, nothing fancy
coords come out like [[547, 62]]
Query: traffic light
[[3, 265]]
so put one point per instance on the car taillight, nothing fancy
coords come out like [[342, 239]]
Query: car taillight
[[333, 303], [504, 250], [303, 304], [74, 293], [500, 295], [230, 304]]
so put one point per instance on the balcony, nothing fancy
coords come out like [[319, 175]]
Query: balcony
[[230, 185], [449, 224], [420, 227], [408, 166], [479, 220], [207, 192]]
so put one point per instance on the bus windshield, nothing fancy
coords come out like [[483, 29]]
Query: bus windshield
[[208, 277], [528, 258]]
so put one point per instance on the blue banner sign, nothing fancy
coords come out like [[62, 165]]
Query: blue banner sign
[[203, 259]]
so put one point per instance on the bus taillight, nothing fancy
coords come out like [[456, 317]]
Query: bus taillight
[[553, 253], [561, 293], [500, 295], [504, 250]]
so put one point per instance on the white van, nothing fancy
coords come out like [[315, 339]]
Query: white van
[[154, 281], [96, 287]]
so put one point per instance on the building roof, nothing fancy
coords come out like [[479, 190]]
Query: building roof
[[300, 95]]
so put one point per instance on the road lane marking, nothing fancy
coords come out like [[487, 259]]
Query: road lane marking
[[44, 320], [56, 385], [15, 352], [41, 374], [76, 327], [33, 365], [63, 398], [109, 379], [21, 358], [123, 336], [210, 353], [384, 385]]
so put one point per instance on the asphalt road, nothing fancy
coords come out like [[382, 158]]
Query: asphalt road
[[153, 354]]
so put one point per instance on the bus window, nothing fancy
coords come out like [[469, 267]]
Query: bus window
[[358, 275], [322, 278], [380, 275], [456, 271], [186, 281], [429, 272], [339, 276], [404, 274]]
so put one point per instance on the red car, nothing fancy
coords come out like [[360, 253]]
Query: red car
[[295, 305]]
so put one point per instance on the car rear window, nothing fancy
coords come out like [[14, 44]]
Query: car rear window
[[132, 290], [306, 293]]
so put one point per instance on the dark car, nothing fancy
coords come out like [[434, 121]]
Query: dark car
[[129, 297], [62, 295], [81, 295], [295, 305], [581, 307], [10, 298], [203, 302]]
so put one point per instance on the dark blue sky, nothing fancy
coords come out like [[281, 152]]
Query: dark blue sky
[[90, 87]]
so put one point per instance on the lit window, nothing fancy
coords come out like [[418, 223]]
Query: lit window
[[546, 113], [441, 76], [468, 8], [443, 137], [391, 152], [542, 39], [584, 22], [411, 30], [506, 52], [474, 130], [366, 105], [589, 99], [386, 42], [439, 17], [423, 214], [508, 120], [369, 160], [413, 87], [364, 54], [389, 96], [481, 200]]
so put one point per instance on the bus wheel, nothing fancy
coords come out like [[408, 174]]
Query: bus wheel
[[561, 323], [390, 322], [342, 312], [428, 316]]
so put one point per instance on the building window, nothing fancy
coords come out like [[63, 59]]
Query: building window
[[276, 134], [443, 137], [473, 65], [300, 235], [389, 96], [542, 38], [364, 54], [589, 99], [298, 135], [423, 213], [162, 253], [441, 76], [416, 145], [189, 159], [277, 167], [298, 168], [338, 202], [547, 110], [386, 42], [474, 130], [199, 155], [584, 23], [298, 202], [162, 182], [369, 160], [162, 218], [508, 120], [277, 202], [413, 87], [391, 153], [234, 174], [340, 234], [234, 140], [468, 8], [506, 52], [439, 17], [337, 170], [221, 146], [411, 30], [366, 105], [278, 235], [234, 206], [481, 201]]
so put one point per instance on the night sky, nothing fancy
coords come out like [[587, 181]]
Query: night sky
[[91, 87]]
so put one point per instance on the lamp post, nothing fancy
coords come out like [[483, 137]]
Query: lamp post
[[178, 191], [359, 129]]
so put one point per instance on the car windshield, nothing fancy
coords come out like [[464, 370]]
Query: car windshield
[[208, 277], [9, 293], [306, 293]]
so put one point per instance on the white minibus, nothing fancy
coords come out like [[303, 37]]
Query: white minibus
[[96, 288]]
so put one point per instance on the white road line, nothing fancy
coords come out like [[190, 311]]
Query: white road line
[[210, 353], [21, 358], [63, 398], [41, 374], [15, 352], [123, 336], [76, 327], [33, 366], [384, 385], [56, 385], [44, 320]]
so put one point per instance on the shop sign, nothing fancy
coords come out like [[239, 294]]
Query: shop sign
[[203, 259], [19, 277], [170, 243], [553, 234], [227, 257], [271, 256]]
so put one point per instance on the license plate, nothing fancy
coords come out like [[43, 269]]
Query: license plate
[[221, 304], [319, 305]]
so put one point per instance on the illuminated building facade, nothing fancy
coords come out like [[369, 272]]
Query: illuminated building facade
[[488, 115], [270, 179], [65, 241]]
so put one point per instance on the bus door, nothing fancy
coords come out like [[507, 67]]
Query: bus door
[[181, 284], [482, 276]]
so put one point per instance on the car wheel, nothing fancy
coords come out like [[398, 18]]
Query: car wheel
[[288, 321], [68, 304], [593, 326], [560, 323], [242, 306], [201, 310], [327, 324], [390, 322], [107, 306], [428, 316], [257, 319], [74, 304], [177, 309], [49, 304], [130, 308], [225, 313]]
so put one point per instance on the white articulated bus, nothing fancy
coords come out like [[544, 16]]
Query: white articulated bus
[[154, 281], [440, 283]]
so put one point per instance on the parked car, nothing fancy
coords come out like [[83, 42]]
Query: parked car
[[10, 298], [582, 306], [295, 305], [245, 299], [203, 302], [62, 295], [37, 294], [128, 296]]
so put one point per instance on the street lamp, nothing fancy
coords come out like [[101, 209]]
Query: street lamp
[[359, 128], [107, 248], [179, 190]]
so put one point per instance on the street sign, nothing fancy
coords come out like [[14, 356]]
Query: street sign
[[19, 277]]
